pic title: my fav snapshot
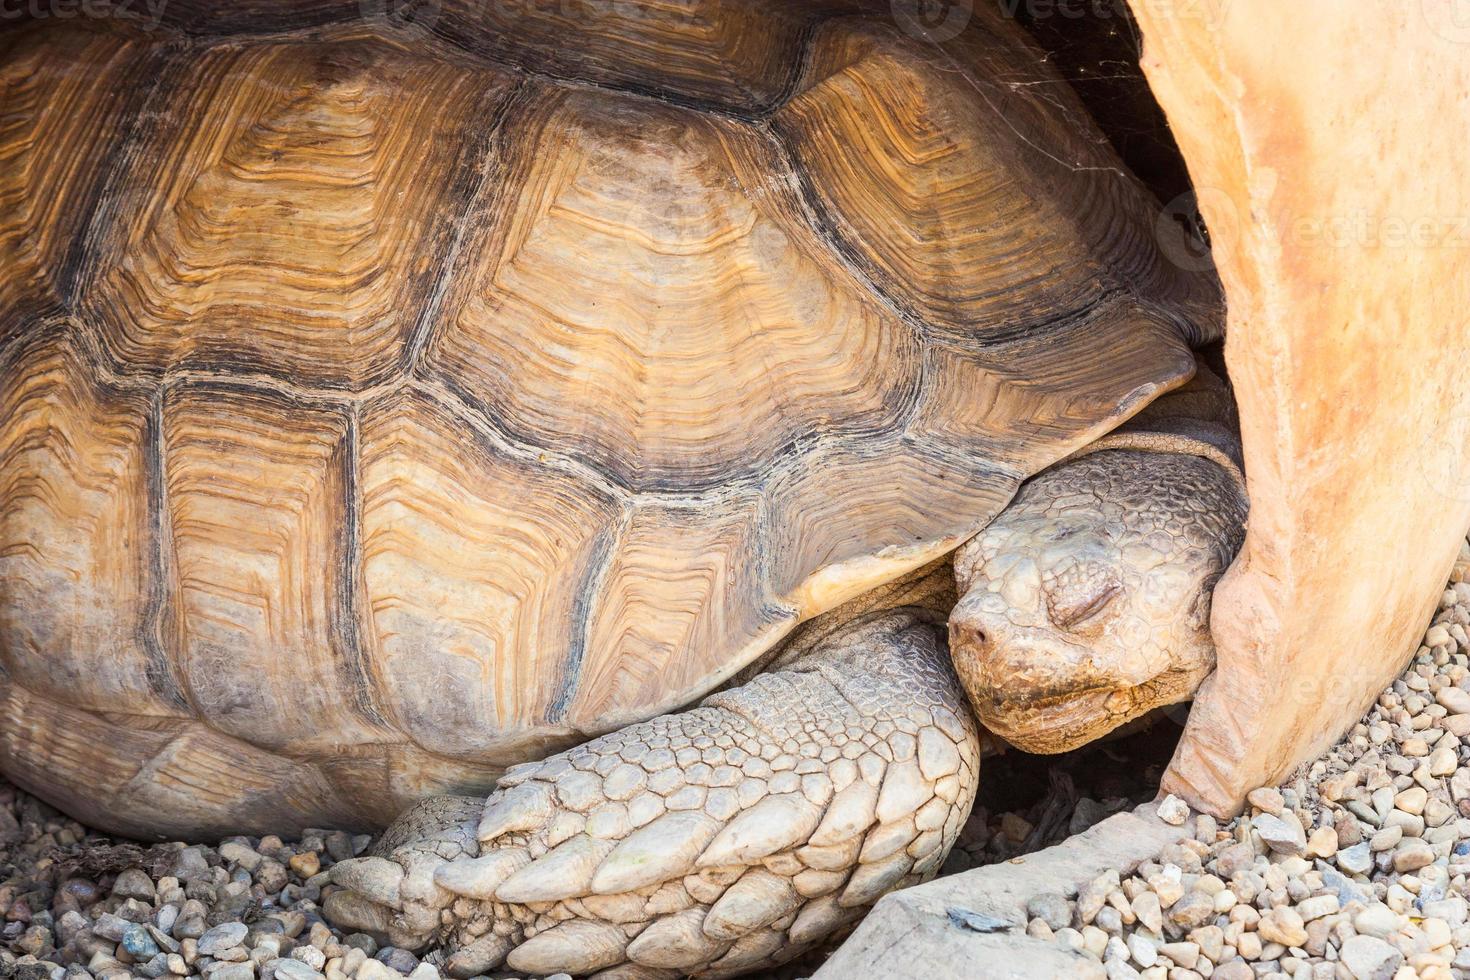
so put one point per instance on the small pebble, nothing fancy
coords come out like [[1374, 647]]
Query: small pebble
[[1266, 798], [305, 865], [134, 883], [1370, 958], [1173, 810], [222, 937], [1050, 908], [1283, 834], [1412, 854]]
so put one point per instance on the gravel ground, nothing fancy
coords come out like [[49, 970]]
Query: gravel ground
[[77, 904], [1028, 802], [1356, 869]]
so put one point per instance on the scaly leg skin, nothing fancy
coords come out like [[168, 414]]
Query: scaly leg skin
[[724, 839]]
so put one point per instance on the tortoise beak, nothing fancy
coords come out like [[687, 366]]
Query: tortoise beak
[[1033, 686]]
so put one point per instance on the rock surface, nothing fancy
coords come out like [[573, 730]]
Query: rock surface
[[1353, 521]]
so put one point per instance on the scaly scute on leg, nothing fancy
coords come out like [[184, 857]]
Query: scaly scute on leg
[[727, 838]]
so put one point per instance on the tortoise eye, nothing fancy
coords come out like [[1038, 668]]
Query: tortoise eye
[[1079, 615]]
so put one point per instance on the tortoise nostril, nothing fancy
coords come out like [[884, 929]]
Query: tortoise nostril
[[969, 635]]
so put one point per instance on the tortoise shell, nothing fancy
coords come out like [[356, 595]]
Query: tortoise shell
[[382, 406]]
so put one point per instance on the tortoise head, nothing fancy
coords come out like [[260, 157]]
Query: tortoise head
[[1086, 603]]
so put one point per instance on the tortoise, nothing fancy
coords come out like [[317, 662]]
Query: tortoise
[[747, 831], [387, 409]]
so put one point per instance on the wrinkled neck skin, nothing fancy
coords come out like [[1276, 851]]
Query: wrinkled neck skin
[[1086, 603]]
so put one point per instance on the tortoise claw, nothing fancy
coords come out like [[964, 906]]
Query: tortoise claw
[[375, 879], [479, 877], [520, 809], [350, 911]]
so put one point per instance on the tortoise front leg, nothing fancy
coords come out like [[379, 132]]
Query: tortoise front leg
[[727, 838]]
